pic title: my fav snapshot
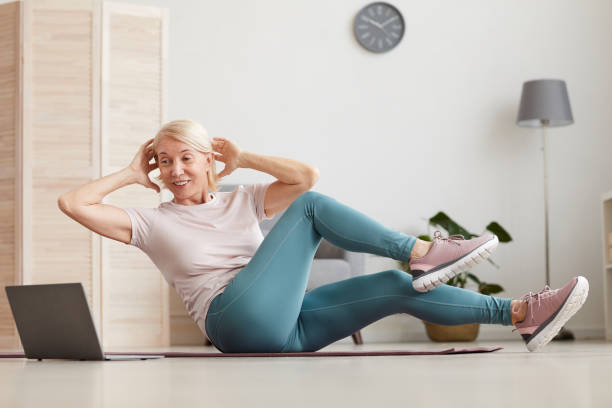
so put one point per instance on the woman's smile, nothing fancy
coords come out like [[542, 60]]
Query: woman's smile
[[181, 184]]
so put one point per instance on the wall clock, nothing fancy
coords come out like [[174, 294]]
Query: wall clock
[[378, 27]]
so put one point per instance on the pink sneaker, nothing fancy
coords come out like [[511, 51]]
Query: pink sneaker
[[548, 310], [447, 257]]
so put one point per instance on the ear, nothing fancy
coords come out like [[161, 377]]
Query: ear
[[208, 160]]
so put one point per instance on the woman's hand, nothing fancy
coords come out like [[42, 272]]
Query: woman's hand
[[141, 167], [229, 154]]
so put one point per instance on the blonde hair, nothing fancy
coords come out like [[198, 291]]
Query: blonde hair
[[193, 135]]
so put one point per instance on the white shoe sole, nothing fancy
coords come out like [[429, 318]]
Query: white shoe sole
[[574, 302], [432, 280]]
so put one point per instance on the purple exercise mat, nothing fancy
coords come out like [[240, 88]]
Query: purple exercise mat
[[453, 350]]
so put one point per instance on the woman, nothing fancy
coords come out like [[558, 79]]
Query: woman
[[247, 294]]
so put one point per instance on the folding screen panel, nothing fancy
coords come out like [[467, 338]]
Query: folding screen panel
[[48, 98], [9, 131], [135, 296], [60, 132], [60, 129]]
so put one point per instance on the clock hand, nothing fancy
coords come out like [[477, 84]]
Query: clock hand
[[376, 24], [372, 21], [388, 21]]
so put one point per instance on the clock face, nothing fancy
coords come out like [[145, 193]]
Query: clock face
[[379, 27]]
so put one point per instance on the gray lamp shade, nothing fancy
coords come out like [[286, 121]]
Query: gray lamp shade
[[544, 102]]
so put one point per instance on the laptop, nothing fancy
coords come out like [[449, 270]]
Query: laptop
[[54, 321]]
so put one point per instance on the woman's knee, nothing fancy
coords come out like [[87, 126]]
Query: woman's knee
[[309, 197], [309, 200]]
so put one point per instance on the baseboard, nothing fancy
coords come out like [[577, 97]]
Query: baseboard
[[588, 333]]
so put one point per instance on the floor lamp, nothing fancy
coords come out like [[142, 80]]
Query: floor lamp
[[545, 103]]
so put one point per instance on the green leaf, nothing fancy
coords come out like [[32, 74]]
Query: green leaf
[[490, 288], [474, 278], [425, 238], [444, 221], [498, 230]]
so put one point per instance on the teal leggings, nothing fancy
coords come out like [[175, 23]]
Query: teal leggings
[[266, 308]]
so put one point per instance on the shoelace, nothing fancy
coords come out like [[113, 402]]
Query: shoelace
[[452, 238], [544, 293]]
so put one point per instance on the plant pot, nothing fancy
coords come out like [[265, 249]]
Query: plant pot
[[440, 333]]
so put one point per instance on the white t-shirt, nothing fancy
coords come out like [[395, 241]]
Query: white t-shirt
[[200, 248]]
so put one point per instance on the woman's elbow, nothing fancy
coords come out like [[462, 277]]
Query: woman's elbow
[[63, 204], [314, 175]]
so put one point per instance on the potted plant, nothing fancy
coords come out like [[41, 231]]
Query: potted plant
[[465, 332]]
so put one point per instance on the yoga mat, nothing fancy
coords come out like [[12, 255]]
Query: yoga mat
[[453, 350]]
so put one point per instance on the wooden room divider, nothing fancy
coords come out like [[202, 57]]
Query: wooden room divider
[[83, 86]]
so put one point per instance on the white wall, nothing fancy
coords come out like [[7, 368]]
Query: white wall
[[428, 126]]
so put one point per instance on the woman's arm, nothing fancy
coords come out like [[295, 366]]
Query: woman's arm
[[288, 171], [83, 204], [94, 191], [294, 177]]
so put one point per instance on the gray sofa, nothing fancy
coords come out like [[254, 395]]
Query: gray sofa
[[330, 263]]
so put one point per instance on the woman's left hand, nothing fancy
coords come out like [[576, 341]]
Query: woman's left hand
[[229, 154]]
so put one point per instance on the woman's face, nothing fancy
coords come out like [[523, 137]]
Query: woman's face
[[179, 163]]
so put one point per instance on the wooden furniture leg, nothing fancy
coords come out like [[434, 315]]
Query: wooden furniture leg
[[357, 337]]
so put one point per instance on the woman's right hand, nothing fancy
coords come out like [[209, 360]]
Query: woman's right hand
[[141, 167]]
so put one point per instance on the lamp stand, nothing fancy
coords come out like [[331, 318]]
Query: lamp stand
[[564, 334], [546, 236]]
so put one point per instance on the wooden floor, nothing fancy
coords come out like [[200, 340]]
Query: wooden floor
[[563, 374]]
